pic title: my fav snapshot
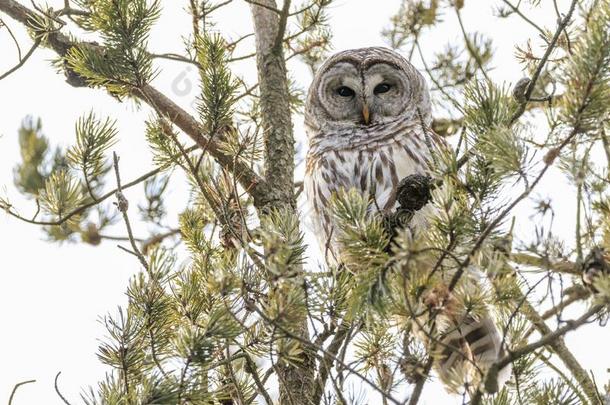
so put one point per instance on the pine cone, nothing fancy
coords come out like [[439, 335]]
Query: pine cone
[[413, 192]]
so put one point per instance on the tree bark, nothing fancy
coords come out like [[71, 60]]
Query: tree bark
[[275, 107], [296, 383]]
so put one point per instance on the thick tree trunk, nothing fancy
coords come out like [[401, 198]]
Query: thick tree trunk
[[296, 383], [275, 107]]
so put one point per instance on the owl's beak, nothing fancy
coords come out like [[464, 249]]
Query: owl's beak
[[366, 114]]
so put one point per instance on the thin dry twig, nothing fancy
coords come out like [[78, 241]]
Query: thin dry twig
[[10, 400], [21, 60], [530, 89], [56, 386], [122, 205], [517, 11]]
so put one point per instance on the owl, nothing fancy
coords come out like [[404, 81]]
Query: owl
[[367, 118]]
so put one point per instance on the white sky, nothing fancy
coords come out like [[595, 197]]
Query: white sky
[[52, 295]]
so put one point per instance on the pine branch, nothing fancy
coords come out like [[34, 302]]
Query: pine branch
[[332, 357], [252, 183], [61, 44], [548, 162], [83, 207], [549, 338], [555, 341]]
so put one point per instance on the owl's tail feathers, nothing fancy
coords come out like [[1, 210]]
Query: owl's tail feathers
[[468, 350]]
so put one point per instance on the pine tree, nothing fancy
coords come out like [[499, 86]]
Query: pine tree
[[247, 315]]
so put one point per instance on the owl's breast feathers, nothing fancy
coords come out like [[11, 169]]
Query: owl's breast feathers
[[372, 162]]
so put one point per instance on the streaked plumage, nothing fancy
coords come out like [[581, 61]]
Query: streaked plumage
[[368, 137]]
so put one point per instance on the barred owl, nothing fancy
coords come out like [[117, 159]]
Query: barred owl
[[367, 119]]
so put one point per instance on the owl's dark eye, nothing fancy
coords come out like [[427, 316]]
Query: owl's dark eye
[[382, 88], [345, 91]]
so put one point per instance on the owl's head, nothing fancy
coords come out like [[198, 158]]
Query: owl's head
[[365, 87]]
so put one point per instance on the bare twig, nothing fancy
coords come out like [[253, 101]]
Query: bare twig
[[264, 4], [517, 11], [240, 396], [176, 58], [281, 27], [471, 49], [326, 362], [251, 369], [530, 89], [56, 385], [10, 32], [545, 263], [419, 387], [156, 239], [22, 60], [10, 400], [122, 205]]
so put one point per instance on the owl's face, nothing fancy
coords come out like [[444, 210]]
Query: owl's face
[[364, 87]]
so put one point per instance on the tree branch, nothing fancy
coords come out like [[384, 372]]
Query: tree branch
[[56, 386], [61, 44], [10, 400], [326, 362], [530, 89], [21, 60], [122, 205], [550, 338], [83, 207], [556, 344]]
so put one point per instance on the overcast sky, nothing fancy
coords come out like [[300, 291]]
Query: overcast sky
[[51, 296]]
